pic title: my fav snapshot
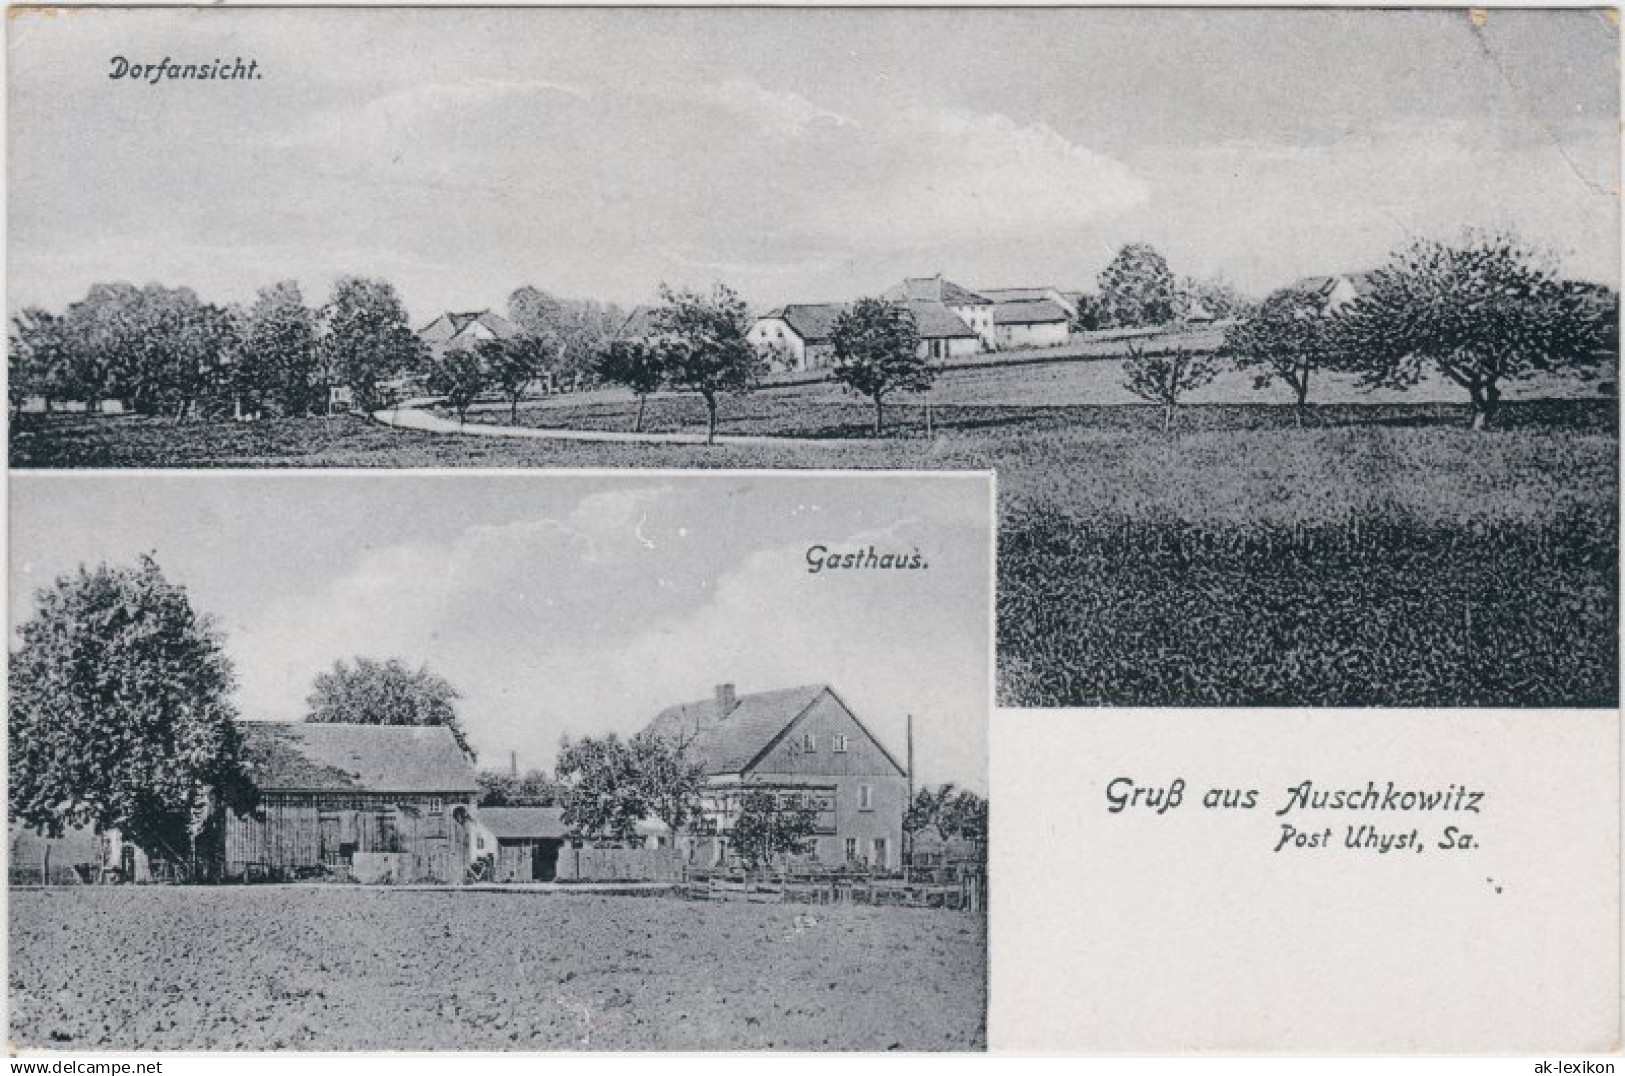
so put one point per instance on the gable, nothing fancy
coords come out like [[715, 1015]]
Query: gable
[[825, 720]]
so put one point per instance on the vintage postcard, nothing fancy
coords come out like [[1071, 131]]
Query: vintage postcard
[[517, 762], [1291, 334], [503, 518]]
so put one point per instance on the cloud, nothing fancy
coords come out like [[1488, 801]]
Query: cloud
[[776, 113], [592, 621], [967, 175]]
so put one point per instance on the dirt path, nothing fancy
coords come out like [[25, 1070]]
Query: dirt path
[[412, 415]]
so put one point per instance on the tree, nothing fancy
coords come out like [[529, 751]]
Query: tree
[[1137, 289], [877, 351], [457, 374], [367, 339], [604, 797], [160, 349], [1481, 311], [533, 789], [276, 362], [703, 346], [37, 359], [1287, 339], [512, 364], [771, 824], [121, 713], [100, 331], [670, 782], [1214, 296], [635, 364], [926, 809], [1164, 378], [385, 693], [964, 815], [1091, 314], [575, 331], [612, 784]]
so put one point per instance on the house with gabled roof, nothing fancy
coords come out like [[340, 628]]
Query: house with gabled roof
[[974, 311], [801, 744], [332, 796], [1066, 300], [452, 331], [798, 336], [1031, 323]]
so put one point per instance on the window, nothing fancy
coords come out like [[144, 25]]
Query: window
[[435, 805], [866, 797], [851, 848], [840, 742], [809, 742], [880, 852]]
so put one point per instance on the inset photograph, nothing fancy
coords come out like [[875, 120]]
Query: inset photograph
[[499, 762]]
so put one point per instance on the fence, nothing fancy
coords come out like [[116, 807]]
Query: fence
[[619, 865], [964, 891]]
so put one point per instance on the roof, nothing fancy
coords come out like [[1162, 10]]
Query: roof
[[732, 745], [751, 727], [933, 289], [639, 324], [1028, 313], [449, 326], [813, 322], [1017, 295], [307, 757], [934, 321], [1323, 285], [519, 823]]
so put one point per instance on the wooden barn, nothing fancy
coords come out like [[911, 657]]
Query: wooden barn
[[522, 843], [371, 801]]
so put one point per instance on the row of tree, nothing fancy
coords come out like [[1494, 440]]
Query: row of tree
[[699, 343], [1480, 312], [163, 350]]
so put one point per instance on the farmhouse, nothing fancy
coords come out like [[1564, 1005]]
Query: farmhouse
[[450, 332], [974, 311], [1030, 323], [373, 800], [521, 843], [800, 744], [1066, 300], [800, 334]]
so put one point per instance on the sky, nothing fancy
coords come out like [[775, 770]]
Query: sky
[[562, 604], [796, 155]]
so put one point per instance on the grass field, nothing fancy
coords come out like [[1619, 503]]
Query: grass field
[[344, 968], [1383, 553]]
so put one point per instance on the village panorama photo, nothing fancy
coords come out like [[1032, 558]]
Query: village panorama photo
[[497, 761], [1291, 334]]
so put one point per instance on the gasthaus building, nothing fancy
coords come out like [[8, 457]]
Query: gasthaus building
[[801, 743]]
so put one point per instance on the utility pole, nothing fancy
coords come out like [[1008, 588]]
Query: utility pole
[[908, 836]]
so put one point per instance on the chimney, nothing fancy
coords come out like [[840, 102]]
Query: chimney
[[726, 700], [513, 763]]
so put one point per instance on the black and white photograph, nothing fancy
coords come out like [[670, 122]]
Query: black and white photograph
[[499, 762], [1291, 334]]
